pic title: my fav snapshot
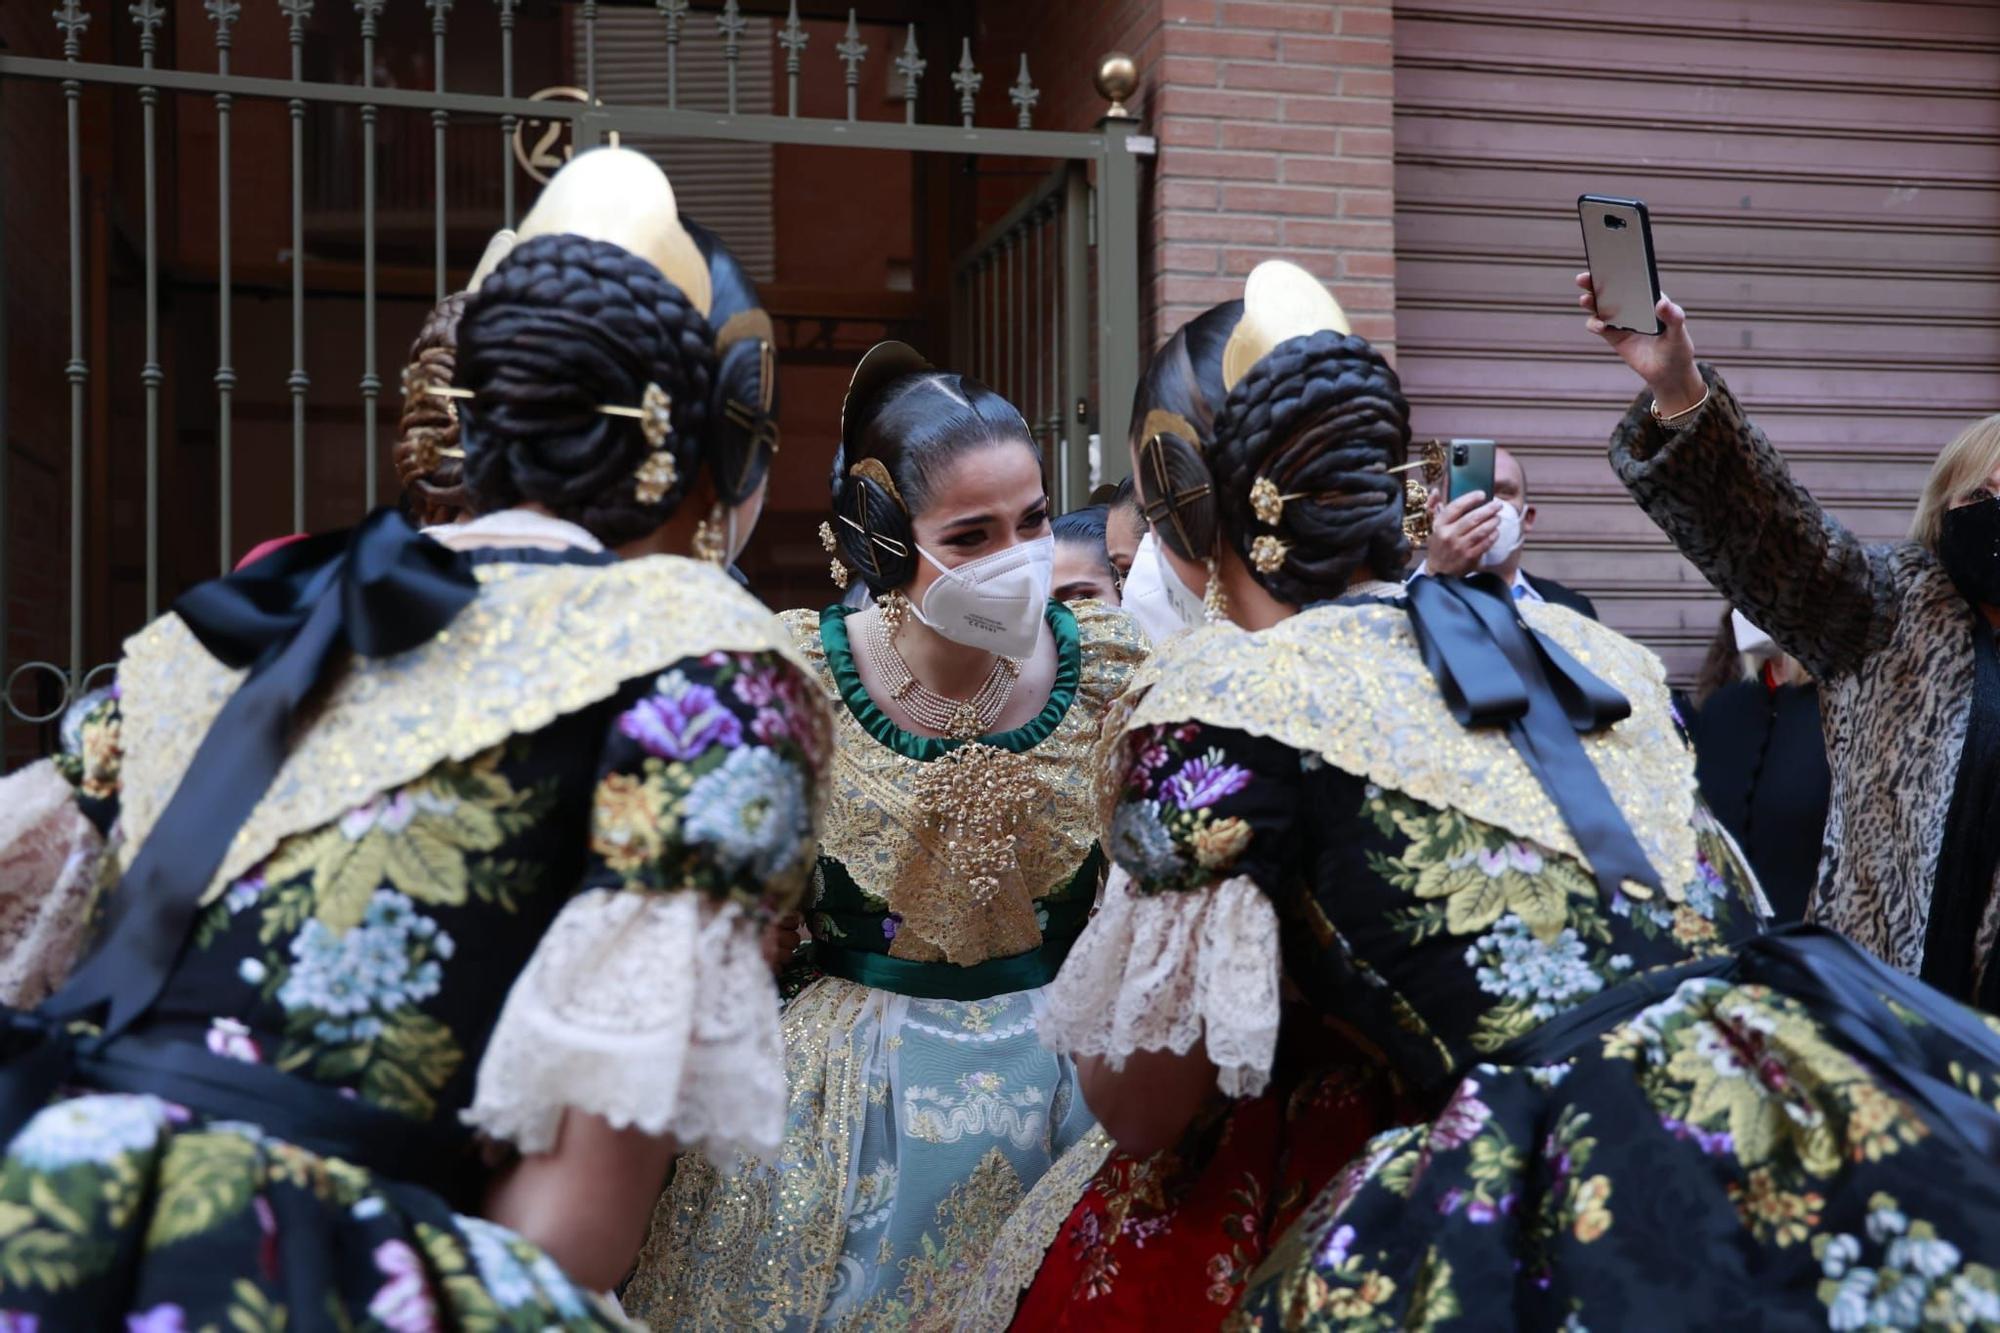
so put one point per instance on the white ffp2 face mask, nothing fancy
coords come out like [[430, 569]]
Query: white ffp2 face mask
[[1506, 541], [1155, 595], [995, 602]]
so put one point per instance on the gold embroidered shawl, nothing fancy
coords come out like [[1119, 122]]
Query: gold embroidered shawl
[[538, 642], [1348, 683], [874, 825]]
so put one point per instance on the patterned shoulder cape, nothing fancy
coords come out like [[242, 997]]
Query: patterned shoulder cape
[[540, 641]]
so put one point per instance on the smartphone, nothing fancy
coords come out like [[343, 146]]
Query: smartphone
[[1468, 468], [1618, 247]]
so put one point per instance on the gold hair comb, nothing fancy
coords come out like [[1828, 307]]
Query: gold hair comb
[[1281, 301]]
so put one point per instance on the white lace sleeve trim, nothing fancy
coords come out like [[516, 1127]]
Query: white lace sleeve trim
[[1157, 972], [655, 1011], [49, 855]]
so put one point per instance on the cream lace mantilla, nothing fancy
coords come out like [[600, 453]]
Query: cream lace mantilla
[[49, 856], [655, 1011], [1159, 972], [538, 642], [1347, 683], [965, 884]]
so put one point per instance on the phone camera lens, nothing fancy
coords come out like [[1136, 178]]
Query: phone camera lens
[[1460, 455], [1614, 222]]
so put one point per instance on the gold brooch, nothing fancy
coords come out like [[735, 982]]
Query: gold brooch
[[1267, 553], [1266, 503]]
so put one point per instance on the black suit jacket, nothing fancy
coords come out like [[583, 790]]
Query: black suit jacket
[[1551, 591]]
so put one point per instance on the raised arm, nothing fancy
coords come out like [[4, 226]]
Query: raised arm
[[1702, 470]]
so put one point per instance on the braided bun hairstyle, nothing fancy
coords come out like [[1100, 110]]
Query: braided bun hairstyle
[[563, 325], [428, 464], [1184, 380], [913, 426], [1323, 418]]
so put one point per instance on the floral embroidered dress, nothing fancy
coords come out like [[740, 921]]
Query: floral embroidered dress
[[520, 869], [923, 1104], [1652, 1115]]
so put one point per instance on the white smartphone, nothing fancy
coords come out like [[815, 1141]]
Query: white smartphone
[[1618, 247]]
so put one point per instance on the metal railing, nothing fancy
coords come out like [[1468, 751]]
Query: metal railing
[[1027, 295]]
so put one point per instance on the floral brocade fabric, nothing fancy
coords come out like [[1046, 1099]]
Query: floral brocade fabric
[[1653, 1116], [371, 955], [1715, 1151]]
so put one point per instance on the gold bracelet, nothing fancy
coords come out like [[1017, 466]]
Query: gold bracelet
[[1681, 415]]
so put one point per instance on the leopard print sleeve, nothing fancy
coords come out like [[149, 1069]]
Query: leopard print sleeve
[[1724, 496]]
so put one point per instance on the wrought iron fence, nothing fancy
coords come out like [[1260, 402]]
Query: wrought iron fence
[[1045, 304]]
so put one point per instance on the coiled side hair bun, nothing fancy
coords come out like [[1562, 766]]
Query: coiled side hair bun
[[911, 429], [566, 324], [1182, 385], [427, 456], [1323, 418]]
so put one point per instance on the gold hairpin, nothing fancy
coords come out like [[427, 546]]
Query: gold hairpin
[[654, 413], [889, 544], [1267, 553], [1267, 504]]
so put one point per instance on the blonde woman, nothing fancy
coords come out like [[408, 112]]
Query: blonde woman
[[1899, 635]]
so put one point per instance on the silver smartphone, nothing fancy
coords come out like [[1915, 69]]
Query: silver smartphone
[[1618, 247]]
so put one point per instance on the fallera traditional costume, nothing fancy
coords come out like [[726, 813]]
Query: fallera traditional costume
[[1651, 1113], [952, 879], [516, 867]]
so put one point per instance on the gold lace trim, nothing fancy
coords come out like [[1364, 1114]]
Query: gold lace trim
[[878, 823], [1347, 683], [1015, 1257], [755, 1244], [539, 641]]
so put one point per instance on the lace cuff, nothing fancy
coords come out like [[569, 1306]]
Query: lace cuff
[[1156, 972], [49, 855], [655, 1011]]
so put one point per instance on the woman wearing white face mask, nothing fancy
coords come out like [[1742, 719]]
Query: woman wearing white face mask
[[958, 860]]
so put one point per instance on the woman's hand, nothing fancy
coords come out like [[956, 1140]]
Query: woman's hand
[[1665, 361], [781, 940]]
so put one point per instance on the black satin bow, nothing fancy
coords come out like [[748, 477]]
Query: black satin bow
[[379, 589], [1494, 671]]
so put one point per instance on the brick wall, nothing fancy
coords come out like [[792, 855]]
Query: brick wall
[[1274, 120]]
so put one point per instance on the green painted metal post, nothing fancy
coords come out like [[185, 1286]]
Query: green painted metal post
[[1073, 472], [1118, 334]]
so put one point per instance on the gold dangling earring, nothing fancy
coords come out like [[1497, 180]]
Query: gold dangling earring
[[1215, 602], [710, 546]]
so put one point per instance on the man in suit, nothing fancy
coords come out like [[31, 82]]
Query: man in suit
[[1477, 532]]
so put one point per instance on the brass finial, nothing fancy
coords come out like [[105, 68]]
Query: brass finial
[[1117, 79]]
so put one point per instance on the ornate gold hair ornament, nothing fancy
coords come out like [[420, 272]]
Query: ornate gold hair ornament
[[1429, 469], [1160, 422], [621, 196], [656, 474], [1281, 301]]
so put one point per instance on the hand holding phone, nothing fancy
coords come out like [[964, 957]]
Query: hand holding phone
[[1618, 246]]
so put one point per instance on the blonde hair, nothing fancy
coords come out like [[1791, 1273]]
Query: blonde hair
[[1962, 467]]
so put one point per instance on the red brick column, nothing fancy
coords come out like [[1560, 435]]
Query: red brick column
[[1274, 120]]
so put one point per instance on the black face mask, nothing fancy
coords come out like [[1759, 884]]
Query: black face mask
[[1969, 549]]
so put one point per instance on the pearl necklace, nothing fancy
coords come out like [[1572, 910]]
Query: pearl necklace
[[958, 719]]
